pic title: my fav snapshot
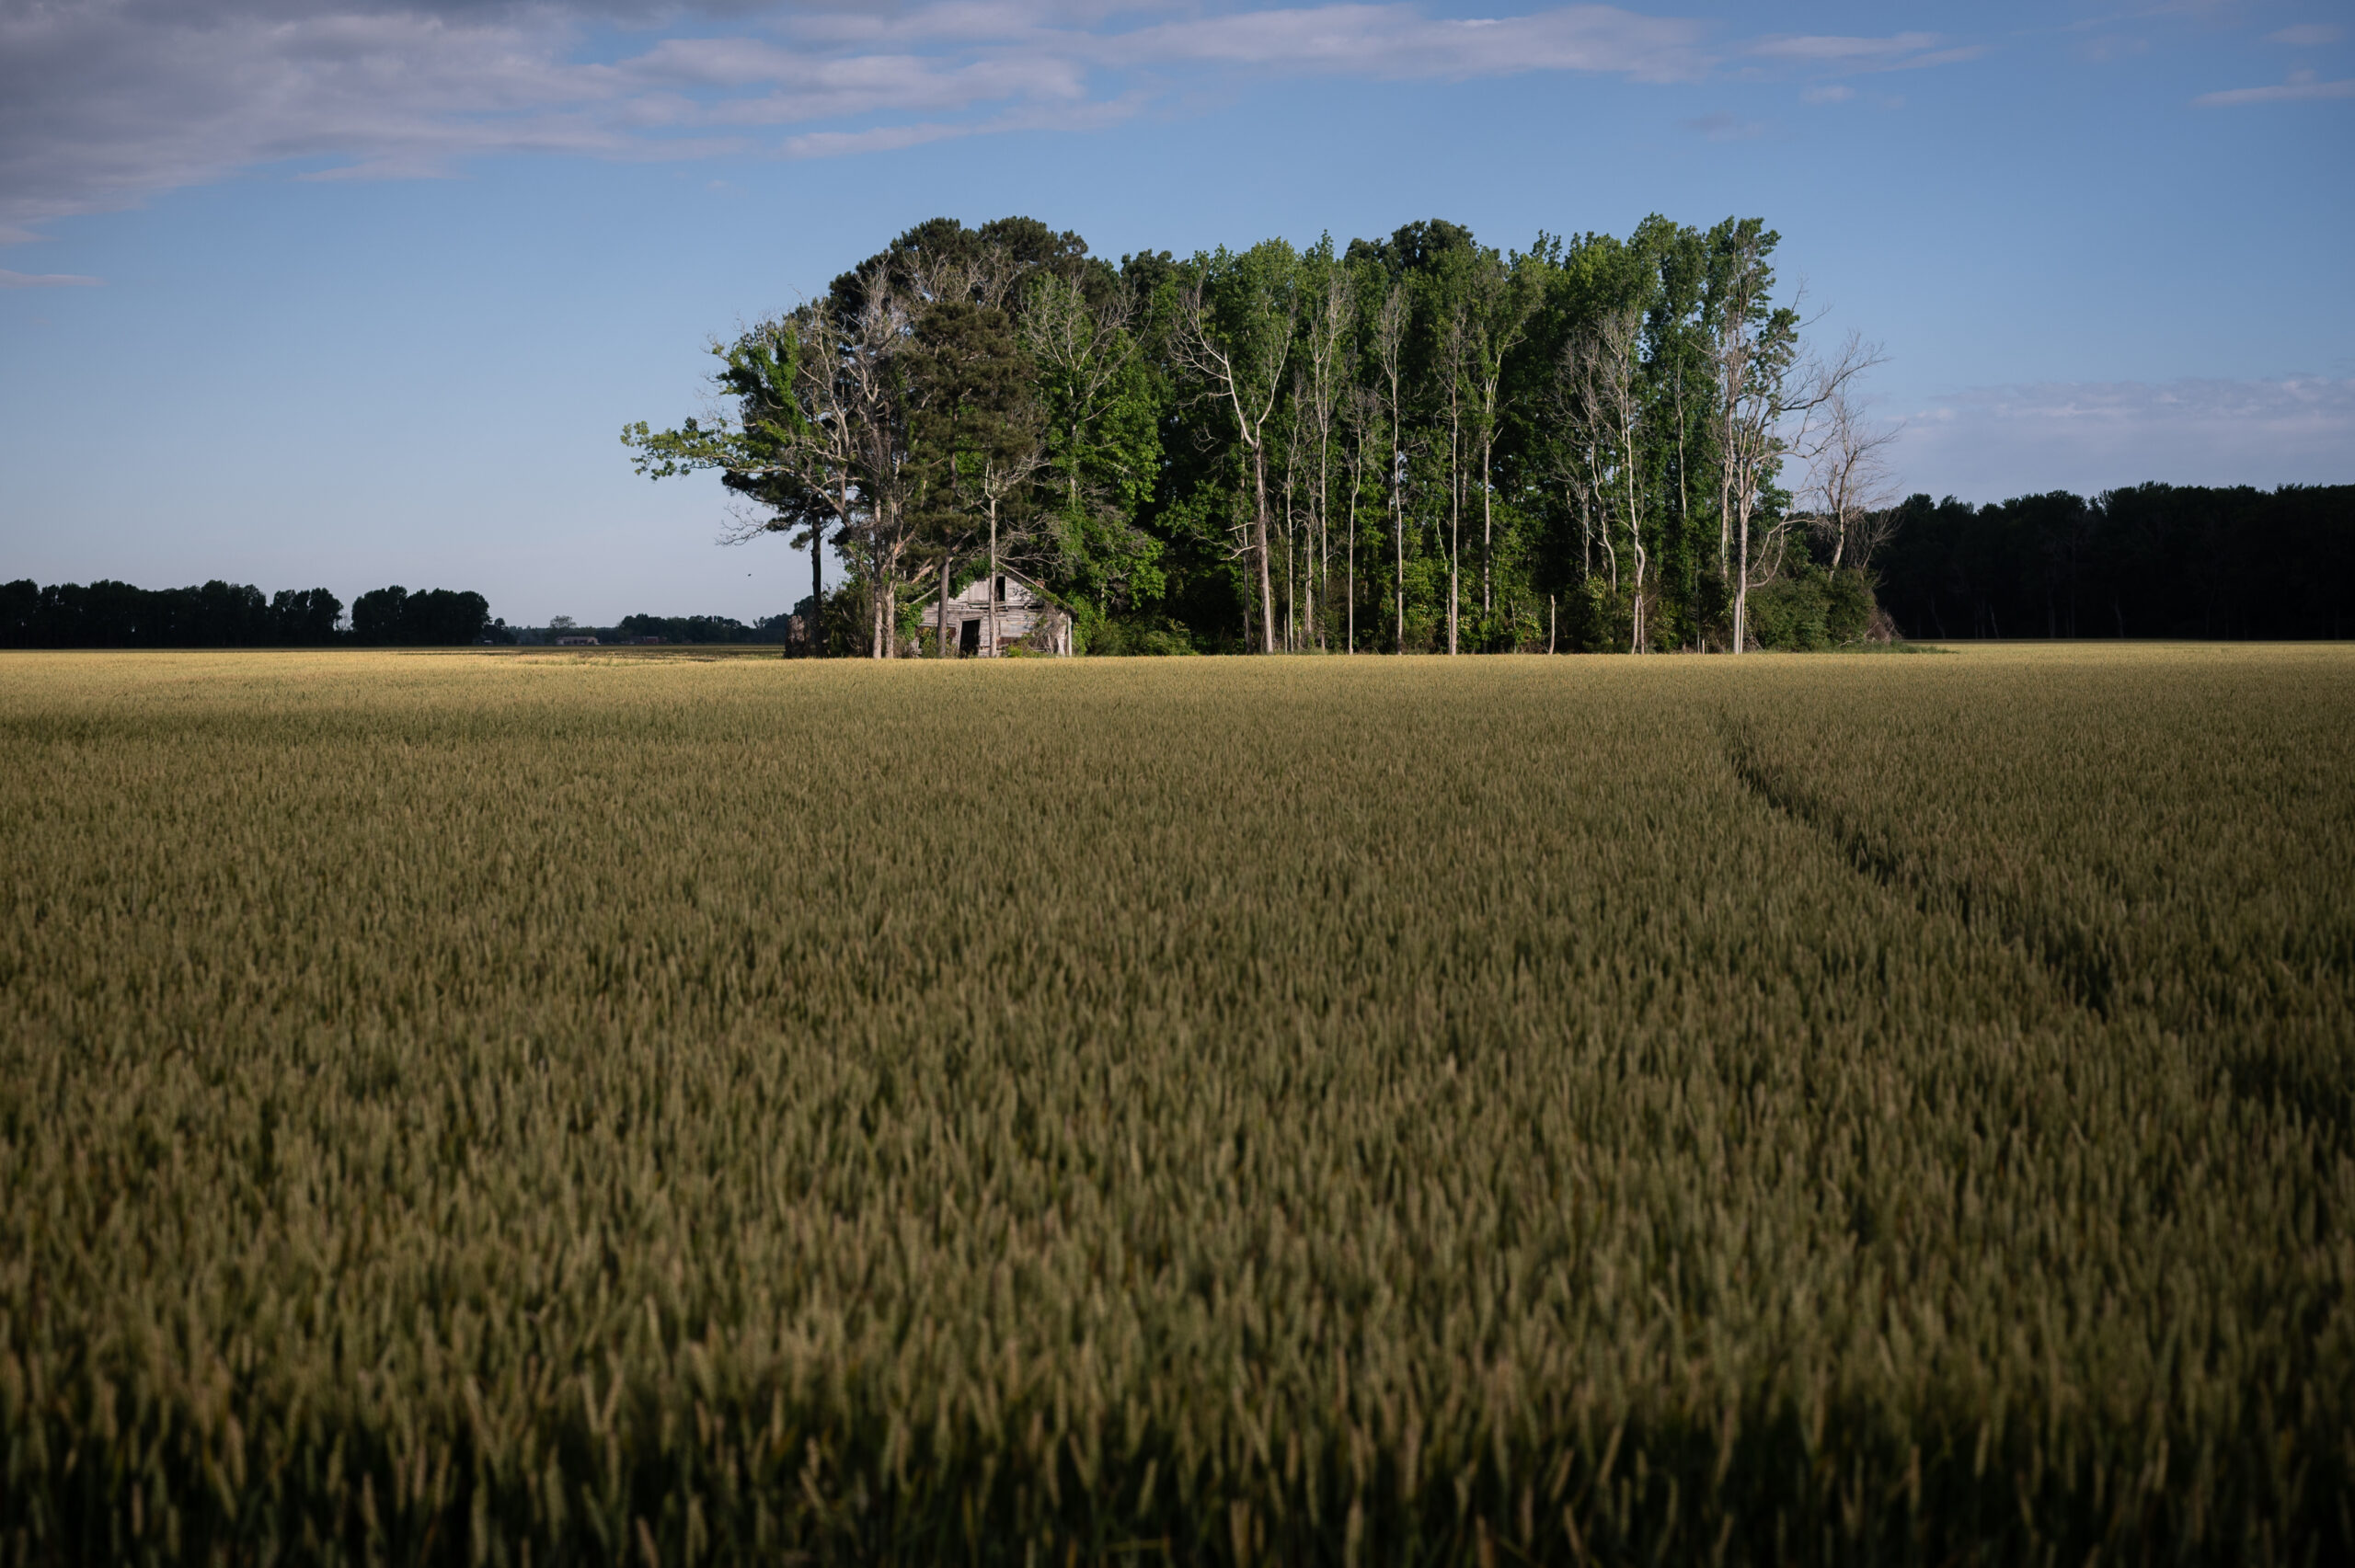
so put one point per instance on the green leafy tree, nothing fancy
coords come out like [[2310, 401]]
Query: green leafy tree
[[978, 436], [1101, 418]]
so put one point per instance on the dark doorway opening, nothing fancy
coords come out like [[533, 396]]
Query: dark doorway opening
[[968, 639]]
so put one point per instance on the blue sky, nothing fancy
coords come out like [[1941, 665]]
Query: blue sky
[[309, 292]]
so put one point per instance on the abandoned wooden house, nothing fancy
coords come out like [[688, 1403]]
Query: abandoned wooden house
[[1029, 619]]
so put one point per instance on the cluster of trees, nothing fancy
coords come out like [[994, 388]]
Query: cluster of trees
[[440, 617], [1413, 443], [224, 614], [2154, 561]]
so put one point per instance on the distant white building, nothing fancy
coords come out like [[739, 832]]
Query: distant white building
[[575, 642], [1029, 619]]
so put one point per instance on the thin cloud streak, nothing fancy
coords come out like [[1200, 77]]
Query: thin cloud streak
[[1841, 50], [883, 139], [45, 280], [2292, 91]]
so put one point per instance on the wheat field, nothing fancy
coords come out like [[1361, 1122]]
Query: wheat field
[[589, 1108]]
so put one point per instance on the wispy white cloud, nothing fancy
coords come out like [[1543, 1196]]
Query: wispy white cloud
[[1829, 93], [45, 280], [2301, 88], [104, 102], [2006, 441], [2307, 35], [1899, 51]]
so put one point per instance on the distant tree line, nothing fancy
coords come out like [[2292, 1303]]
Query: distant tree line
[[117, 615], [1412, 443], [2154, 561], [702, 628], [223, 614], [682, 629]]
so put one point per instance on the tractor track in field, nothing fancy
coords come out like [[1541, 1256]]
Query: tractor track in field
[[2087, 977]]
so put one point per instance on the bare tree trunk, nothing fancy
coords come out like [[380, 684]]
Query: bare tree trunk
[[1454, 541], [1266, 580], [1399, 515], [1322, 523], [993, 578], [1291, 588], [1488, 526], [1292, 521], [1610, 550], [1725, 493], [1398, 533], [1638, 642], [1742, 588], [1296, 573], [1353, 544], [1683, 490], [1454, 510], [1305, 627], [940, 619], [1641, 644]]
